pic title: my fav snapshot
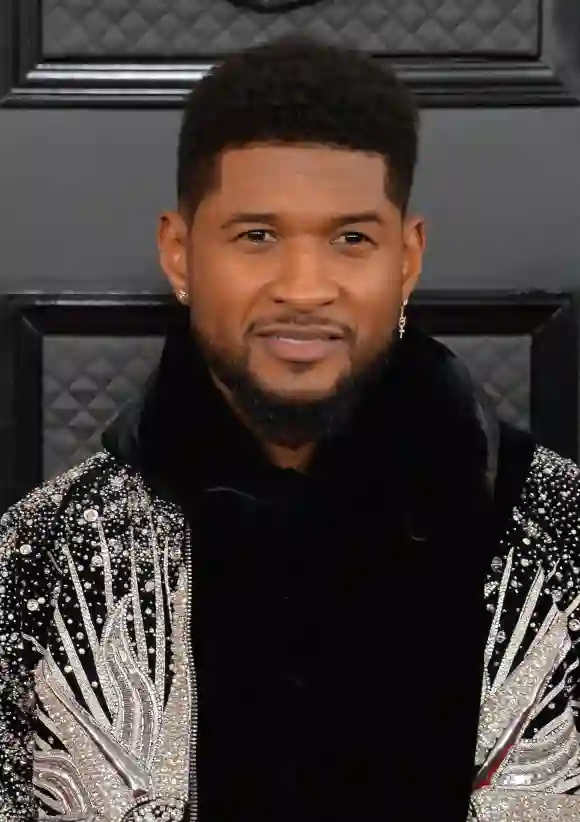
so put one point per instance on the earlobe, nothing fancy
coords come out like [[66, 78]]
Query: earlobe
[[410, 280]]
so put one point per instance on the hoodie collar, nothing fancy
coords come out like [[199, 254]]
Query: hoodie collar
[[423, 425]]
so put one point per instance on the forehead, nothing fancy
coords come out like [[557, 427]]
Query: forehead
[[278, 178]]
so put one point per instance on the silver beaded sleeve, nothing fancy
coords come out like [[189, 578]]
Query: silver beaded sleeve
[[26, 578], [17, 803], [529, 736]]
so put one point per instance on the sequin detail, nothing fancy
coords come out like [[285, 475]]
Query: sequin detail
[[111, 737], [495, 805], [140, 753]]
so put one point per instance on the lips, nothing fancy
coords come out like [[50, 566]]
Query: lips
[[308, 332], [295, 344]]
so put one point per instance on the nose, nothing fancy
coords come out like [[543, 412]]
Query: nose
[[304, 282]]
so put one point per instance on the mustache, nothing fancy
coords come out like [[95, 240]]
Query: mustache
[[302, 321]]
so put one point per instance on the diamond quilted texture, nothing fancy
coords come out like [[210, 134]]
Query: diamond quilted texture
[[86, 382], [208, 28], [502, 366]]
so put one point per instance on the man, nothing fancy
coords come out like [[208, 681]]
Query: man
[[310, 577]]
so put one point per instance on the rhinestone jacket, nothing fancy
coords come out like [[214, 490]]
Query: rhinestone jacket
[[97, 713]]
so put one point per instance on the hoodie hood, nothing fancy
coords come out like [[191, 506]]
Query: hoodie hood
[[424, 410]]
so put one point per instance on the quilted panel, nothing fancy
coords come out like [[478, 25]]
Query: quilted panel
[[88, 380], [502, 365], [208, 28]]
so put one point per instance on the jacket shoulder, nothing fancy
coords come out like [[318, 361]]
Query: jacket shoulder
[[551, 493], [41, 504], [98, 482], [547, 516]]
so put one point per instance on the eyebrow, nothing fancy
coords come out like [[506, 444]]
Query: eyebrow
[[334, 220]]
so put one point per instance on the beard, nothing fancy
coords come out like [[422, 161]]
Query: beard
[[281, 420]]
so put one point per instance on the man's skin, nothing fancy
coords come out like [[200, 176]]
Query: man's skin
[[296, 263]]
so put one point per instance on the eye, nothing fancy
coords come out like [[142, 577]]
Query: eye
[[354, 238], [254, 235]]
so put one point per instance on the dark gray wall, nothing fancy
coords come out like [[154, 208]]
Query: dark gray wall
[[80, 191]]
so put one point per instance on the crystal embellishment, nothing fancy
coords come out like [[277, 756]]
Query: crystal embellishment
[[171, 811]]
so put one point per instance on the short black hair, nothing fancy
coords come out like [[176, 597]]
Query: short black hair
[[298, 90]]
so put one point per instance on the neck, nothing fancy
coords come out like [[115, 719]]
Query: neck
[[282, 456]]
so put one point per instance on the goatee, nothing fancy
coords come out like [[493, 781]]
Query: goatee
[[283, 421]]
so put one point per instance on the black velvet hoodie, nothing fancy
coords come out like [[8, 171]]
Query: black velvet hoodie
[[338, 623]]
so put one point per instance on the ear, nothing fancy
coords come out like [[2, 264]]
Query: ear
[[172, 237], [414, 242]]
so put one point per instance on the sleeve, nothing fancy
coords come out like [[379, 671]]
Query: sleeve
[[560, 496], [17, 803], [548, 518]]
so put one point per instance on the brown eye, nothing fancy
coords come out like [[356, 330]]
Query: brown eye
[[255, 235], [354, 238]]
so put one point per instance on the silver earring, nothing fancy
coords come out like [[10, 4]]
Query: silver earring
[[183, 296], [402, 320]]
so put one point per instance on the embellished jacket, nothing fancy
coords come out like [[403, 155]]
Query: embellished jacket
[[98, 700]]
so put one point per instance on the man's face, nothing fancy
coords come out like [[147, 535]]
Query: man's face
[[296, 266]]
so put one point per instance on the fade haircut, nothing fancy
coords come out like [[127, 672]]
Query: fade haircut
[[302, 91]]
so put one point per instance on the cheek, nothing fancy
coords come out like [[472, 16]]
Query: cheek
[[222, 303], [377, 313]]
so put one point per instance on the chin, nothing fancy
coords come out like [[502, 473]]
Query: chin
[[303, 397], [297, 393]]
